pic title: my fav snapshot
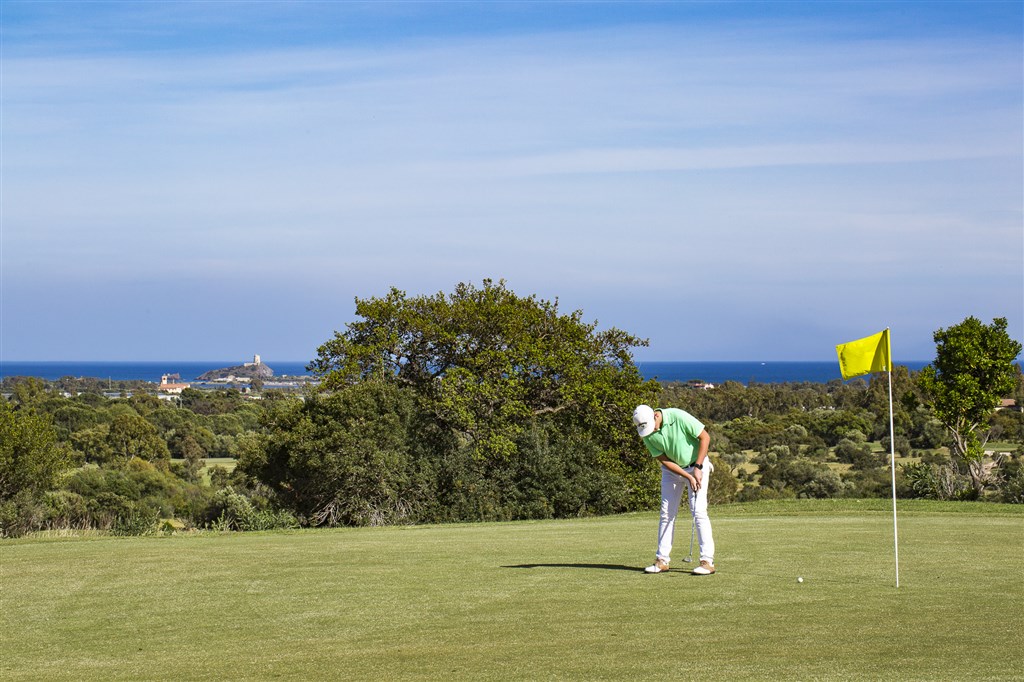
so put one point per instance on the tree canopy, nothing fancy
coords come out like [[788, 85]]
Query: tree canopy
[[488, 361], [973, 368]]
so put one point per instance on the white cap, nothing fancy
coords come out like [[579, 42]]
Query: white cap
[[643, 420]]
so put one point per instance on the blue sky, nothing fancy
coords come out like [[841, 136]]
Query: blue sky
[[732, 181]]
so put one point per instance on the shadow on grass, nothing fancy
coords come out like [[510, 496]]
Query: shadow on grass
[[684, 570], [599, 567]]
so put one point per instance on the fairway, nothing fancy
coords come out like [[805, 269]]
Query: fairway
[[531, 600]]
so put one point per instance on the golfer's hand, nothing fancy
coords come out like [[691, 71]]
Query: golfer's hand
[[698, 477]]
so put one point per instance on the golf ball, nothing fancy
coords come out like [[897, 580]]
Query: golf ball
[[799, 580]]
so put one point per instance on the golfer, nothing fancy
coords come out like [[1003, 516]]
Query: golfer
[[680, 442]]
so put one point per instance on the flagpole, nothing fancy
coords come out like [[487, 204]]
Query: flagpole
[[871, 355], [892, 463]]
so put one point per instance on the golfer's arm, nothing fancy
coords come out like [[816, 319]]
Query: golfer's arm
[[702, 448], [672, 466]]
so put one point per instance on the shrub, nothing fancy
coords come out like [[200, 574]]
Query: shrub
[[858, 454], [804, 477], [748, 433], [21, 514], [129, 496], [834, 425], [854, 435], [934, 457], [903, 447], [235, 511], [107, 508], [66, 509], [1011, 480], [138, 520], [876, 482], [937, 481], [752, 492]]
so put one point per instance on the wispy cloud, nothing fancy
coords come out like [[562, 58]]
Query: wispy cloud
[[745, 154]]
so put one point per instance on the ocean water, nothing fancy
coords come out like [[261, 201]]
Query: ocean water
[[746, 372], [713, 372], [132, 371]]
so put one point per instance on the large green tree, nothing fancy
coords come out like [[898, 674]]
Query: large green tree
[[31, 458], [489, 363], [973, 369]]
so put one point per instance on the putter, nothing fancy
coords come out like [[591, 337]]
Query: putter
[[689, 557]]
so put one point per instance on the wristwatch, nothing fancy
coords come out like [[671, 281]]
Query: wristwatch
[[698, 465]]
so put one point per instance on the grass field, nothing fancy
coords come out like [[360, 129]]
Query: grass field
[[538, 601]]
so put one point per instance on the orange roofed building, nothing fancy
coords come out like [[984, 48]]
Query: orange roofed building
[[171, 383]]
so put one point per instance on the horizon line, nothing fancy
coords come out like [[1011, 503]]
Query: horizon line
[[2, 361]]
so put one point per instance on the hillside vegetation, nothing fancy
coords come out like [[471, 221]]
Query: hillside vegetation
[[481, 405]]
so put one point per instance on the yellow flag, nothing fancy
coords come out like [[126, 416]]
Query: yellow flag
[[870, 354]]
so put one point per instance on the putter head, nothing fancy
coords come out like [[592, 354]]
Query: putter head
[[688, 559]]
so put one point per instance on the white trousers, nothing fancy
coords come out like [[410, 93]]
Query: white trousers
[[672, 486]]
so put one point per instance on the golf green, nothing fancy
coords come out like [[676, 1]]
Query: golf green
[[531, 600]]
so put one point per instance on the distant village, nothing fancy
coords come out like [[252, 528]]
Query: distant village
[[250, 378]]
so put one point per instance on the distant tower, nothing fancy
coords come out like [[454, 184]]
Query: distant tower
[[256, 360]]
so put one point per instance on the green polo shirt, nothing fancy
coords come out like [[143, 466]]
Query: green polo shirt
[[678, 437]]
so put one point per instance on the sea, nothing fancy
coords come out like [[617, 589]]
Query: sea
[[714, 372]]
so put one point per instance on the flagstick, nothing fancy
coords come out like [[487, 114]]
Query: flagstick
[[892, 461], [870, 355]]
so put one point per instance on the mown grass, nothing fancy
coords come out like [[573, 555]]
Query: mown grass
[[537, 600]]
